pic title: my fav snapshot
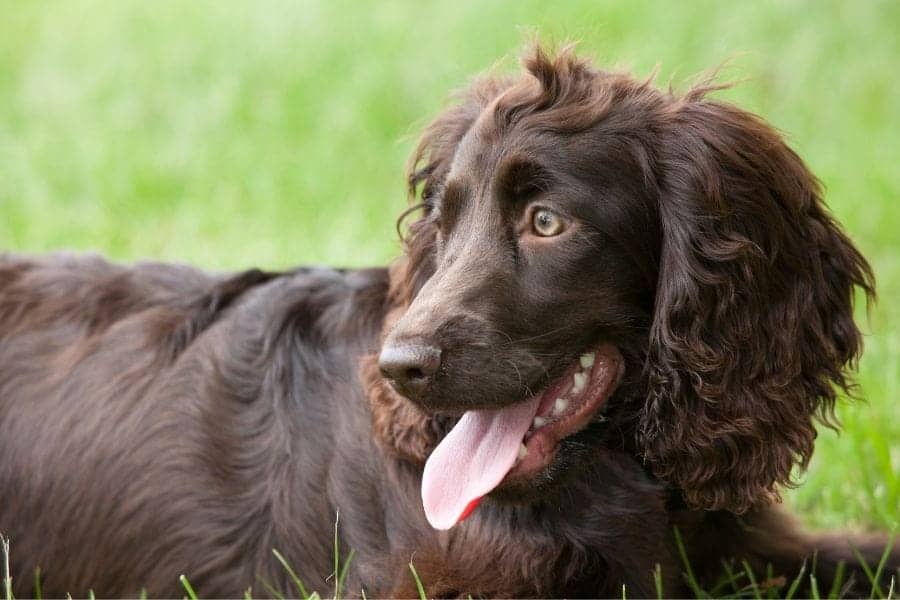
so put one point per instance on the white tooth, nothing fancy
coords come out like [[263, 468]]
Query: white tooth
[[539, 422], [523, 451], [587, 360], [560, 406], [578, 381]]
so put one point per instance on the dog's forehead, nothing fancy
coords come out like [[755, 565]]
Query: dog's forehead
[[485, 150], [476, 154]]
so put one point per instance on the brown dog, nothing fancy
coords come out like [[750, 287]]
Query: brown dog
[[619, 314]]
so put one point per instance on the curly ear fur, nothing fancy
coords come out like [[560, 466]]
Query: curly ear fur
[[753, 323]]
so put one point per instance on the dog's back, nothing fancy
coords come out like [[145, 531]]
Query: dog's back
[[139, 409]]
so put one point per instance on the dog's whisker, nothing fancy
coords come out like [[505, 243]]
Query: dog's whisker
[[516, 368], [517, 341]]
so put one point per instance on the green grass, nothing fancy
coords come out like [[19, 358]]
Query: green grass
[[737, 583], [275, 133]]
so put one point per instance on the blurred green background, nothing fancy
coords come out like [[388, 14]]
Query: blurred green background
[[275, 133]]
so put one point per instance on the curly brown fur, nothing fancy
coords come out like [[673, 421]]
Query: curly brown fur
[[754, 322], [155, 420]]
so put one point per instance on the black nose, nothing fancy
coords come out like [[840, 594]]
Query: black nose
[[409, 366]]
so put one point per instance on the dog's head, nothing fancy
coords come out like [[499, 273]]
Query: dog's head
[[594, 252]]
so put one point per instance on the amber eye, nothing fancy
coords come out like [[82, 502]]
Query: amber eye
[[546, 223]]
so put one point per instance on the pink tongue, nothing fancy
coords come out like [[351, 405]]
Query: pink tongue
[[472, 460]]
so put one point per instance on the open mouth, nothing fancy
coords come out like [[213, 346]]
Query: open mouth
[[488, 447]]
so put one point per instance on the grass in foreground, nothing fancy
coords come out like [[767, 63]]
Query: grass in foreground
[[740, 582]]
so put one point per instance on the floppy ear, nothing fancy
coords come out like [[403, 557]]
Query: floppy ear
[[753, 324]]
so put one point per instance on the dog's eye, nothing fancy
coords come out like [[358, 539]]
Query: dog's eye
[[546, 223]]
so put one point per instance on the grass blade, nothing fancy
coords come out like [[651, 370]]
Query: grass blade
[[418, 581], [814, 587], [272, 591], [796, 583], [346, 568], [690, 579], [37, 583], [337, 557], [284, 563], [754, 586], [772, 585], [187, 587], [868, 571], [657, 581], [835, 591], [731, 578], [876, 585], [248, 593], [7, 580]]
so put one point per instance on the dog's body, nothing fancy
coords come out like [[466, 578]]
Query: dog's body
[[159, 421], [156, 420]]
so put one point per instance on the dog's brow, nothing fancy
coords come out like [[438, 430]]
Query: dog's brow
[[453, 194], [451, 201], [520, 177]]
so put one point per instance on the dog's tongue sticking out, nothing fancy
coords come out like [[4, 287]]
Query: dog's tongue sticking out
[[472, 460], [483, 447]]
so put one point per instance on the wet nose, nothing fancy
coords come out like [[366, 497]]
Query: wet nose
[[410, 366]]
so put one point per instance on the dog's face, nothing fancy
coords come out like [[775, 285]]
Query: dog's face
[[532, 266], [581, 227], [536, 283]]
